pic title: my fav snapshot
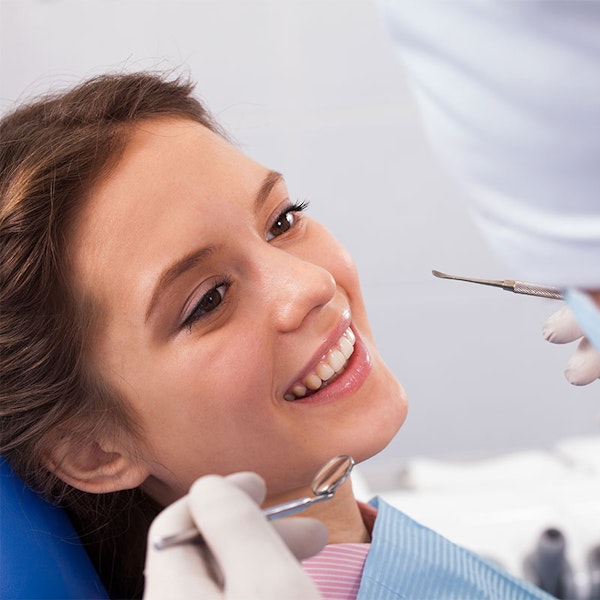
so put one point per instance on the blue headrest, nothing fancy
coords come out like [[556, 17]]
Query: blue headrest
[[40, 553]]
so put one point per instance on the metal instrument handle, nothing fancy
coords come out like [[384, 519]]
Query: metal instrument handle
[[533, 289]]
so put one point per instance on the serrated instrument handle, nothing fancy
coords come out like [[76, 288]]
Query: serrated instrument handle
[[533, 289]]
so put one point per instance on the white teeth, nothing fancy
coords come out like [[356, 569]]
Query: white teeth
[[336, 360], [313, 381], [332, 364], [299, 390], [349, 334], [325, 371], [346, 347]]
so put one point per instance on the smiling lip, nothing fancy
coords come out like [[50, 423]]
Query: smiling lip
[[349, 377]]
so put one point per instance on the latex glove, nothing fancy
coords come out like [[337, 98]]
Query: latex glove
[[584, 365], [250, 558]]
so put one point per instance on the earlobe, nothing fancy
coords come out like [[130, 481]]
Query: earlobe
[[90, 468]]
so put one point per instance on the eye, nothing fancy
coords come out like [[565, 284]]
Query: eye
[[209, 302], [285, 221]]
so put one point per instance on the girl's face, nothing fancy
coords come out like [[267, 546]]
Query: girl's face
[[232, 323]]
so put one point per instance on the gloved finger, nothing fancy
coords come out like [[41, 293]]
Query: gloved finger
[[173, 572], [253, 558], [561, 327], [304, 537], [584, 365], [251, 483]]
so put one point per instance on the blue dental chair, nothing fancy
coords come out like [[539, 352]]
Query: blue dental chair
[[40, 554]]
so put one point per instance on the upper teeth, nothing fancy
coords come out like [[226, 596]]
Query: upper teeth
[[331, 364]]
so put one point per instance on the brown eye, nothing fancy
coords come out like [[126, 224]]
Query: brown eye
[[286, 220], [209, 302], [281, 225]]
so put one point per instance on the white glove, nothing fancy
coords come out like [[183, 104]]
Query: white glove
[[584, 365], [250, 558]]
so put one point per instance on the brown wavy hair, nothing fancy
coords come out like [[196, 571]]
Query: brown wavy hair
[[52, 151]]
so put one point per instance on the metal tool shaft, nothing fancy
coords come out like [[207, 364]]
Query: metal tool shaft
[[518, 287], [278, 511]]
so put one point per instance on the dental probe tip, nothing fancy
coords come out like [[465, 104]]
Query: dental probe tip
[[492, 282]]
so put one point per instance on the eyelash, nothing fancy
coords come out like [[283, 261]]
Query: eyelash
[[296, 207], [198, 312]]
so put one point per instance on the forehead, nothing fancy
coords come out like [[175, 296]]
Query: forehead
[[167, 164], [173, 180], [173, 150]]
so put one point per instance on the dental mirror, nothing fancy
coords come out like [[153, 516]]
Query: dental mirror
[[324, 485], [332, 474]]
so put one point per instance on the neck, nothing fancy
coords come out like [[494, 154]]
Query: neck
[[341, 516]]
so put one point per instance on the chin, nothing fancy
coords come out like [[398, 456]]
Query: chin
[[378, 427]]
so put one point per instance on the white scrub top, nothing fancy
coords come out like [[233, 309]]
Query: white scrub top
[[509, 91]]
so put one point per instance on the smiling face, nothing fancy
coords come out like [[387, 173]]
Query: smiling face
[[222, 310]]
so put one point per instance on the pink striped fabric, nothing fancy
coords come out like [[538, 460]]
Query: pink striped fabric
[[337, 570]]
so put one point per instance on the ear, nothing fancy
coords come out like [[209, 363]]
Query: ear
[[94, 467]]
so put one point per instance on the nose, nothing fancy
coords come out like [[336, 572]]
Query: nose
[[294, 288]]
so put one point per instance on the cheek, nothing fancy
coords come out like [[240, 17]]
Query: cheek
[[326, 251], [200, 404], [191, 401], [210, 382], [330, 254]]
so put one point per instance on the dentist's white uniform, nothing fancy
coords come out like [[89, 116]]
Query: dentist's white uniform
[[510, 95], [509, 91]]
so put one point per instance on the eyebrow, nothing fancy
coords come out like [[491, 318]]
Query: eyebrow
[[189, 261], [269, 182]]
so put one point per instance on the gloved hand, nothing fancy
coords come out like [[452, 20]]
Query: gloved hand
[[249, 558], [584, 365]]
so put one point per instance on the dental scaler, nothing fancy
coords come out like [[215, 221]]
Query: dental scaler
[[518, 287]]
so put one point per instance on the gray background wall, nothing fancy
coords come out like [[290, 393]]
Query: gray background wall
[[313, 89]]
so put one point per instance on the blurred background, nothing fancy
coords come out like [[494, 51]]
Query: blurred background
[[499, 452], [314, 90]]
